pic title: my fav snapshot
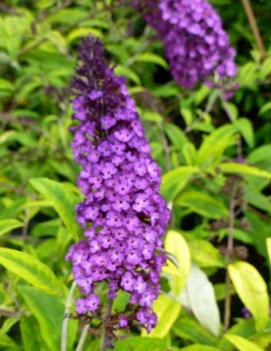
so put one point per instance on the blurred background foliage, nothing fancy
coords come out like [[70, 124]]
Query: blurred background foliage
[[216, 161]]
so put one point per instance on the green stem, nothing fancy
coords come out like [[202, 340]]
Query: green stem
[[230, 250], [68, 304], [209, 106], [83, 338]]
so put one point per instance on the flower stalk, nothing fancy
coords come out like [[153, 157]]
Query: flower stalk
[[106, 342], [254, 26], [83, 338], [68, 305], [230, 251], [123, 215]]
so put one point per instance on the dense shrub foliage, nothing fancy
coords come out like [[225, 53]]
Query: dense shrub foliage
[[215, 157]]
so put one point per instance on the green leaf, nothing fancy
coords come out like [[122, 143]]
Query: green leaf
[[252, 290], [151, 116], [242, 169], [48, 228], [256, 198], [220, 291], [62, 199], [260, 154], [167, 311], [67, 16], [6, 85], [259, 232], [242, 344], [204, 253], [238, 234], [187, 115], [231, 109], [263, 339], [57, 39], [43, 4], [246, 329], [199, 296], [176, 136], [176, 245], [95, 345], [7, 225], [203, 204], [138, 343], [8, 324], [266, 68], [265, 108], [190, 154], [174, 181], [152, 58], [268, 244], [48, 311], [8, 344], [189, 329], [214, 145], [127, 73], [199, 347], [8, 136], [247, 74], [166, 90], [121, 301], [82, 32], [243, 327], [245, 127], [30, 269], [30, 334], [13, 30]]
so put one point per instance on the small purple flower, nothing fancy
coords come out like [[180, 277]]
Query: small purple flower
[[114, 219], [147, 299], [133, 258], [107, 122], [123, 322], [127, 282], [246, 314], [81, 307], [92, 302], [95, 94], [140, 285]]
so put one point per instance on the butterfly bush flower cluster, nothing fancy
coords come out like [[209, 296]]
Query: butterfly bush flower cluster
[[196, 45], [123, 214]]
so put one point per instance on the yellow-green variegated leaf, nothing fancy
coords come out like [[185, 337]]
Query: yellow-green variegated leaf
[[174, 181], [30, 269], [178, 271], [242, 169], [199, 347], [252, 290], [62, 199], [167, 310], [242, 344], [6, 225]]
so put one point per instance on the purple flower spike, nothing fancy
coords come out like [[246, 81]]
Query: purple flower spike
[[196, 45], [123, 214]]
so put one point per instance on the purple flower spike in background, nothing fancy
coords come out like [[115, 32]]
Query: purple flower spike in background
[[196, 45], [123, 214]]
